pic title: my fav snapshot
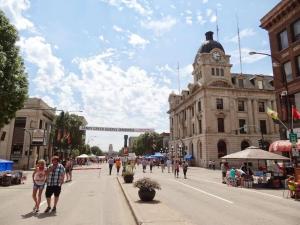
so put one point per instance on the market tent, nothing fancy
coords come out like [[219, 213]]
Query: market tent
[[283, 146], [158, 155], [83, 156], [253, 152], [6, 165]]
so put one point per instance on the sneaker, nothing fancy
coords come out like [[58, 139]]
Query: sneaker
[[47, 210], [53, 210]]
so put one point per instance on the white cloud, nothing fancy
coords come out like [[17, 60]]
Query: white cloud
[[118, 29], [136, 40], [160, 26], [165, 68], [131, 4], [186, 71], [204, 1], [200, 19], [248, 32], [213, 18], [188, 12], [189, 20], [209, 12], [14, 10]]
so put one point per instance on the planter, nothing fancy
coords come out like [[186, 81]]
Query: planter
[[146, 195], [128, 178]]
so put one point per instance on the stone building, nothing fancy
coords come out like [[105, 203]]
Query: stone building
[[283, 26], [220, 112], [33, 122]]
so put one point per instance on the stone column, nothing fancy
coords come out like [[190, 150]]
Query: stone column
[[250, 116], [255, 112]]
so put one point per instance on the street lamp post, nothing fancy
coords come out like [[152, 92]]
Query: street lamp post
[[28, 153], [276, 63]]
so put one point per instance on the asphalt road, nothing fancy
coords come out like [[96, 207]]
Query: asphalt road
[[202, 199], [92, 198]]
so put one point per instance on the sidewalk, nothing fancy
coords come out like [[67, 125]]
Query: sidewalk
[[152, 213]]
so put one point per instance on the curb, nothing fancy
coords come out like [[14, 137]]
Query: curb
[[138, 222]]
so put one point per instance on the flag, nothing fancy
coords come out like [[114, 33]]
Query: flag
[[295, 113], [271, 113]]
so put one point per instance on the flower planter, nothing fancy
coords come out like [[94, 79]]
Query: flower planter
[[128, 178], [146, 195]]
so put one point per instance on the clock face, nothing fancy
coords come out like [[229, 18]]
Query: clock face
[[216, 56]]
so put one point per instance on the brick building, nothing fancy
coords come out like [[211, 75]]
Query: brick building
[[283, 26]]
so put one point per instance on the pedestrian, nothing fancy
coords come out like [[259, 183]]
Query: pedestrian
[[224, 168], [55, 178], [151, 165], [118, 165], [110, 164], [39, 178], [169, 162], [68, 169], [213, 164], [176, 166], [162, 164], [185, 166], [144, 164], [209, 164]]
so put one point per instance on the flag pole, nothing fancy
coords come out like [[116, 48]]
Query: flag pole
[[292, 119]]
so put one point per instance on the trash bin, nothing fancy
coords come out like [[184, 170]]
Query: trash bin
[[6, 180]]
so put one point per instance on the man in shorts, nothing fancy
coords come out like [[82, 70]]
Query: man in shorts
[[56, 174]]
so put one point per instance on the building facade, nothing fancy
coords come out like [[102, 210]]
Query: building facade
[[220, 112], [283, 26], [27, 137]]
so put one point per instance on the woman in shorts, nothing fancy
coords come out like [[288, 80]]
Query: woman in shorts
[[39, 179]]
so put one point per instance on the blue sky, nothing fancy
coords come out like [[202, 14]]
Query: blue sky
[[116, 59]]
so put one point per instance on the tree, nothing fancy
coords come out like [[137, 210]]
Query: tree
[[14, 84], [96, 150], [148, 143]]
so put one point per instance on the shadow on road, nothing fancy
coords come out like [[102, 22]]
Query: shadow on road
[[28, 215], [150, 203], [44, 215]]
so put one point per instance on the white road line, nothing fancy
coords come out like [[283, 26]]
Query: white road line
[[204, 192], [261, 193]]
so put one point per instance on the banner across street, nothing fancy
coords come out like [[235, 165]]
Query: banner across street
[[115, 129]]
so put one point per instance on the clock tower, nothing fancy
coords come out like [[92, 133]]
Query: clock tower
[[211, 64]]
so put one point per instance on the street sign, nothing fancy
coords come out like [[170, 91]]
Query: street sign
[[293, 138]]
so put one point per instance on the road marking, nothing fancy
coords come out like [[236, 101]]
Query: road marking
[[262, 193], [204, 192]]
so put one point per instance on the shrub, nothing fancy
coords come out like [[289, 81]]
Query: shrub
[[147, 183]]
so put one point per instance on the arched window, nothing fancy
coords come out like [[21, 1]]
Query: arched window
[[244, 144], [266, 145], [222, 150]]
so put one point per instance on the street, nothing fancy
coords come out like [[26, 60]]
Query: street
[[94, 197], [91, 198]]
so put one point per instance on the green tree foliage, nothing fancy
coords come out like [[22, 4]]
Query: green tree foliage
[[96, 150], [148, 143], [13, 79], [67, 132]]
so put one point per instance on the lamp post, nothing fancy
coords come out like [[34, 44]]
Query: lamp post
[[28, 153], [276, 63]]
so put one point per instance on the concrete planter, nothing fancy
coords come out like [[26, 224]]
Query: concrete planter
[[146, 195]]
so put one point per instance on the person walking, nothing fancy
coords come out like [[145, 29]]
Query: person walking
[[118, 165], [39, 178], [151, 165], [162, 164], [224, 168], [55, 178], [185, 166], [144, 164], [68, 169], [176, 166], [169, 162], [110, 164]]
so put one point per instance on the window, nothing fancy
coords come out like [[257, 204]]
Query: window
[[263, 126], [222, 150], [218, 71], [192, 108], [241, 105], [261, 107], [244, 144], [287, 67], [184, 114], [3, 136], [298, 65], [193, 128], [242, 123], [222, 72], [221, 125], [260, 84], [296, 30], [199, 106], [41, 124], [241, 83], [200, 126], [219, 103], [213, 71], [283, 40]]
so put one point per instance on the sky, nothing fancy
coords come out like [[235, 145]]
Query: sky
[[116, 60]]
